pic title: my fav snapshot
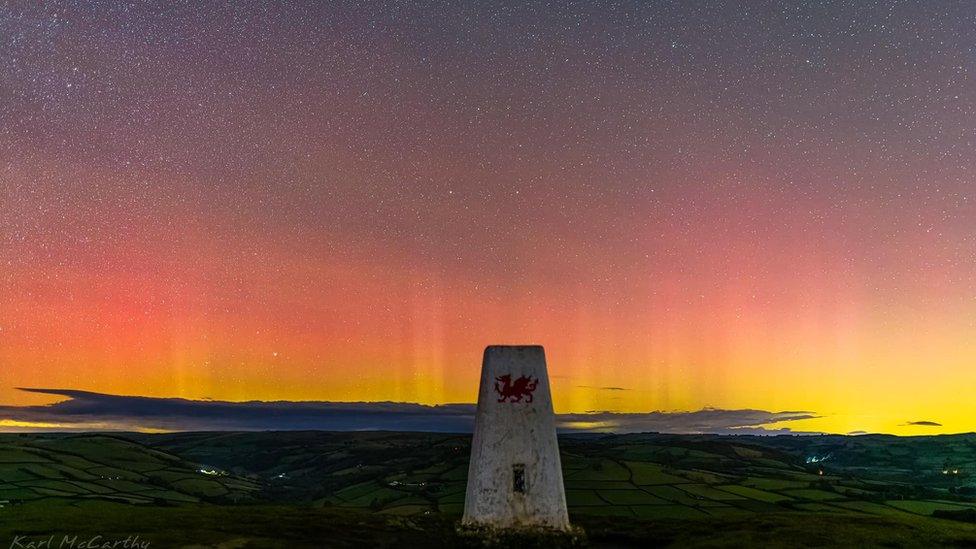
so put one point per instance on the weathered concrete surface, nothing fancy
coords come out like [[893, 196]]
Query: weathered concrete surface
[[515, 429]]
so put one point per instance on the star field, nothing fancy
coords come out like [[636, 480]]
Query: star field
[[735, 204]]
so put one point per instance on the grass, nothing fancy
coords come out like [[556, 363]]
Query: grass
[[598, 484], [651, 473], [813, 495], [603, 510], [924, 507], [752, 493], [709, 492], [781, 530], [581, 498], [601, 470], [773, 483], [104, 467], [701, 483], [210, 525], [865, 507], [629, 497], [667, 512]]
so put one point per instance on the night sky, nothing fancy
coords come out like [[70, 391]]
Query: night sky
[[735, 205]]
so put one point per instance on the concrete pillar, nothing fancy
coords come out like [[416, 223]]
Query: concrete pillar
[[515, 478]]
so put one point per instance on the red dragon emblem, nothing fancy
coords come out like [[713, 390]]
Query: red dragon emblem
[[521, 388]]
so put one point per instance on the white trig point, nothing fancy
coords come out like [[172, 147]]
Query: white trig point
[[515, 478]]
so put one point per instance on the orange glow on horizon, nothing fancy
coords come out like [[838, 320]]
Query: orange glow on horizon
[[738, 327]]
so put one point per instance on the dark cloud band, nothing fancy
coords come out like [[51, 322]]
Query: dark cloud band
[[924, 423], [83, 410]]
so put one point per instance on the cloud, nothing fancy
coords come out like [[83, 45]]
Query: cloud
[[707, 420], [83, 410], [603, 388], [924, 423]]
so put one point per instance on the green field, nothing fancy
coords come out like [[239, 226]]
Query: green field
[[278, 526], [401, 478], [108, 468]]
